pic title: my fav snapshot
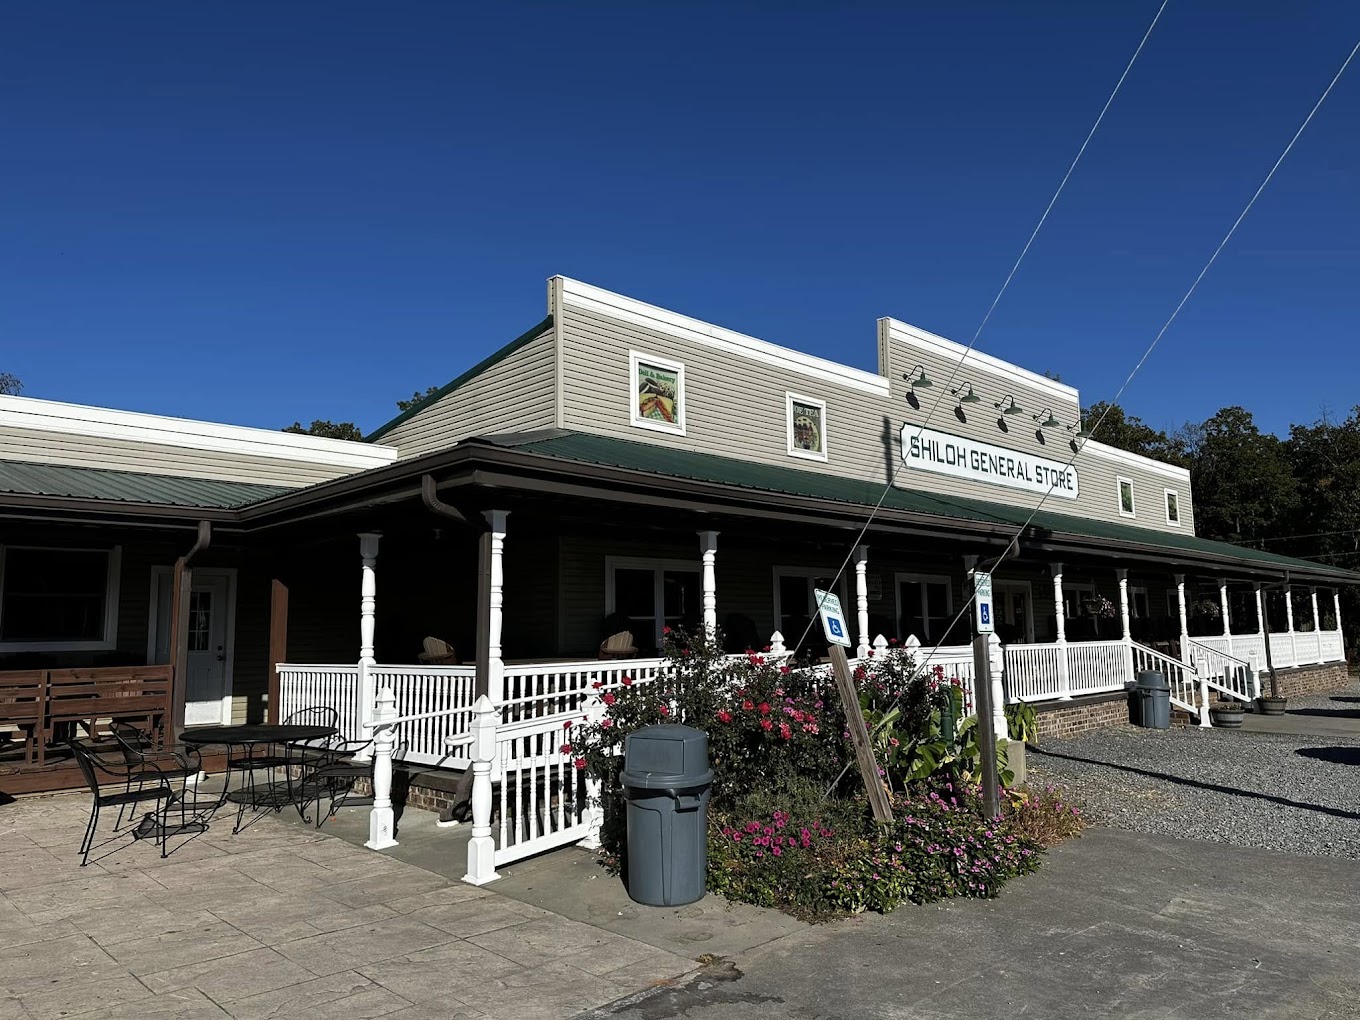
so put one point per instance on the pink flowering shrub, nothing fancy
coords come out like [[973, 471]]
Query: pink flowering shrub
[[938, 846]]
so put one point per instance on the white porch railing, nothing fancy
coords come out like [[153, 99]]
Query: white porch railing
[[1306, 648], [1301, 648], [545, 688], [1331, 646], [1225, 673], [442, 697], [333, 686], [1188, 690], [1034, 672]]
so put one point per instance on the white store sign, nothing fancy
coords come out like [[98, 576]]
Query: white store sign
[[944, 454]]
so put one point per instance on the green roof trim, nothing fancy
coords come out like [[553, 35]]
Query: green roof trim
[[521, 341], [71, 482], [704, 467]]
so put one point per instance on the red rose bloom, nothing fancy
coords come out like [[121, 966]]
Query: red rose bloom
[[609, 699], [764, 707], [665, 710], [748, 704], [580, 763], [566, 749], [724, 716], [765, 724], [628, 681]]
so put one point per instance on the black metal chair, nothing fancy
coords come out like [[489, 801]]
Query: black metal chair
[[92, 766], [140, 752], [334, 776], [299, 755]]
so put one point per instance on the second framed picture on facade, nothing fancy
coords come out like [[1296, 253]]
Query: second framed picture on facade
[[658, 393], [807, 427]]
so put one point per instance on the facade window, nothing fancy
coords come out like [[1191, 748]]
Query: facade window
[[1075, 597], [925, 607], [58, 599], [806, 427], [795, 605], [653, 595], [658, 393], [1140, 606], [1126, 497], [1173, 507]]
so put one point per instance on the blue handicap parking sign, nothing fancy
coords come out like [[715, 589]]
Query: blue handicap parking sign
[[835, 626], [986, 613]]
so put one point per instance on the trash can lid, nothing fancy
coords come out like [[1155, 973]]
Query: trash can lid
[[1150, 679], [670, 755]]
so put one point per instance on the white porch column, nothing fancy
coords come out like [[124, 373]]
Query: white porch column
[[490, 665], [1223, 607], [1261, 627], [368, 607], [1317, 621], [996, 664], [862, 598], [708, 547], [1064, 676], [1185, 623], [1124, 622], [1289, 624], [1336, 608]]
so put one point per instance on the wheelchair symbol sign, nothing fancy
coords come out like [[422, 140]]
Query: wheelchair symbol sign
[[833, 621]]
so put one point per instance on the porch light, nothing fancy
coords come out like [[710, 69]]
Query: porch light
[[921, 382], [1010, 408], [1049, 422], [966, 395], [1082, 433]]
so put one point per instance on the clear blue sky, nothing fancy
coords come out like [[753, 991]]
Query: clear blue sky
[[256, 212]]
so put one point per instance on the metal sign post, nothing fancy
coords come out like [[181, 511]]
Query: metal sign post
[[982, 690]]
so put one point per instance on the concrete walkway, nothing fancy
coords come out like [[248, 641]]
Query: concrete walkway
[[1116, 924], [280, 921]]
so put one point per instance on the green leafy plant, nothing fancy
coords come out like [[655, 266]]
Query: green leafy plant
[[1022, 722]]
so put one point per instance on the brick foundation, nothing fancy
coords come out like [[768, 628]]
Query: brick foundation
[[1057, 719], [1301, 680], [425, 791]]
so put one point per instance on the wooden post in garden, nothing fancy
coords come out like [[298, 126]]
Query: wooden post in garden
[[859, 736], [982, 705]]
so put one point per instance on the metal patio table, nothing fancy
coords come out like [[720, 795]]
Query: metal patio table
[[248, 737]]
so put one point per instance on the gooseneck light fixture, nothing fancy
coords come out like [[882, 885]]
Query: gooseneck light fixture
[[966, 395], [921, 382], [1009, 406], [1048, 421]]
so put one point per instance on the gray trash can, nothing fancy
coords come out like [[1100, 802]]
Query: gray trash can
[[1152, 699], [666, 781]]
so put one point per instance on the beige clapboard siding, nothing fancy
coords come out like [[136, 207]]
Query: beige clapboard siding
[[514, 395], [44, 447], [735, 407]]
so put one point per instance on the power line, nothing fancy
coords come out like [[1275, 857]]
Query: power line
[[892, 480], [1013, 544]]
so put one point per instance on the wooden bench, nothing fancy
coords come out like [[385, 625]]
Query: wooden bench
[[21, 706]]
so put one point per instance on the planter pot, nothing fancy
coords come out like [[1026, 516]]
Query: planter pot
[[1226, 716], [1271, 706]]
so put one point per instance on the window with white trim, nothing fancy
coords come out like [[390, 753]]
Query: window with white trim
[[806, 426], [1075, 597], [1126, 507], [925, 608], [657, 393], [795, 605], [653, 595], [58, 599], [1140, 606], [1173, 507]]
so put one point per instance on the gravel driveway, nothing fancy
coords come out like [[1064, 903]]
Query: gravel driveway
[[1248, 789]]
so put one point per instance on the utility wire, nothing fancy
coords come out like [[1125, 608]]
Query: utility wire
[[930, 415], [1013, 544]]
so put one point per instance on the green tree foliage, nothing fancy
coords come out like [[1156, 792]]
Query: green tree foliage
[[327, 429], [10, 384], [1244, 486], [1326, 460], [416, 398], [1128, 432]]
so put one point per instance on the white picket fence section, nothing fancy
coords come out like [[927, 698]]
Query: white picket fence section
[[1095, 667], [1331, 647], [1306, 648], [1035, 672], [442, 697], [334, 686], [544, 801]]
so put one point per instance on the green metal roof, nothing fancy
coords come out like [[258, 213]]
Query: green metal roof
[[128, 486], [495, 359], [664, 460]]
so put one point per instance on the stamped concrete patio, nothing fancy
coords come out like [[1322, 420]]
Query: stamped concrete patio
[[280, 921]]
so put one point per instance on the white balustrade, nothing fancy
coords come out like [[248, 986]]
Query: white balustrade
[[1180, 677], [543, 689], [1225, 673], [1035, 672], [1096, 666], [335, 686], [1307, 646], [1330, 646], [1282, 650], [442, 697]]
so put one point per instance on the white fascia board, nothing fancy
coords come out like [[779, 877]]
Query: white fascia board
[[705, 333], [953, 351], [107, 423], [1118, 456]]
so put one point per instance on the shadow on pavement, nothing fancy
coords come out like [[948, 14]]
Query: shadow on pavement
[[1336, 755], [1181, 781], [1329, 713]]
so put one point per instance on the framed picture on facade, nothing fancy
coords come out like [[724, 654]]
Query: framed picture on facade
[[806, 427], [658, 393]]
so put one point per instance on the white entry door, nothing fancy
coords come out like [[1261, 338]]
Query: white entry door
[[210, 633]]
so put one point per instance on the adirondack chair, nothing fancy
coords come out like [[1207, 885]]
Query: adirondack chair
[[438, 652], [618, 646]]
